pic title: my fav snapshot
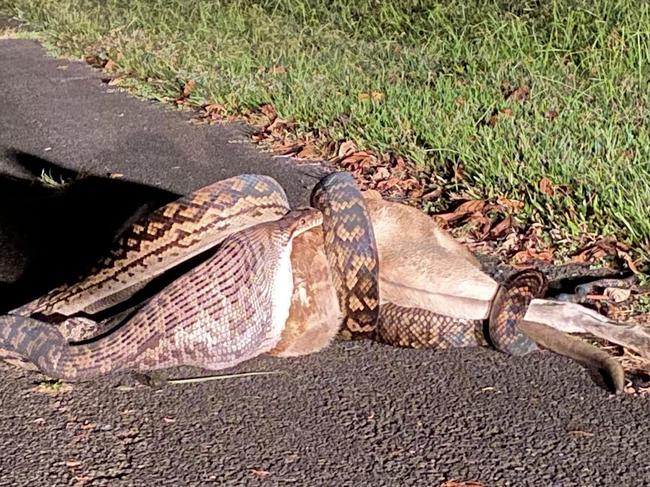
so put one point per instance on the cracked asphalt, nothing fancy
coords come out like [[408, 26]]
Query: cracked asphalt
[[356, 414]]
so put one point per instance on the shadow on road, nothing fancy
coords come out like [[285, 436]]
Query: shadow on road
[[50, 233]]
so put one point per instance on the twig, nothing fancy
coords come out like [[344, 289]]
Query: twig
[[191, 380]]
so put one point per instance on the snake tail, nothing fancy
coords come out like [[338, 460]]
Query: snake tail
[[509, 308], [351, 250]]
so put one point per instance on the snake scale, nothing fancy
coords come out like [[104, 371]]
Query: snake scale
[[232, 306]]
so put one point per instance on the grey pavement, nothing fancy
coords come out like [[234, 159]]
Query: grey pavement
[[356, 414]]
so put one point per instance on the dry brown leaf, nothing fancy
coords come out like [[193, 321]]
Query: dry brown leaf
[[376, 96], [497, 115], [551, 115], [110, 65], [389, 184], [512, 205], [432, 195], [347, 148], [501, 228], [287, 149], [309, 151], [547, 187], [188, 87], [268, 110], [362, 158], [215, 111], [279, 127], [528, 255], [617, 294], [459, 172], [381, 173], [95, 60], [520, 94], [471, 206]]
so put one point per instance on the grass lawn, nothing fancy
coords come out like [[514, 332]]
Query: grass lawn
[[517, 96]]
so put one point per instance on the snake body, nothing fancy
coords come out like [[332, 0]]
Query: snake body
[[163, 239], [228, 309], [351, 251], [222, 311]]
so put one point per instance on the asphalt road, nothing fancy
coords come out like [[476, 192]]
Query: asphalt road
[[355, 414]]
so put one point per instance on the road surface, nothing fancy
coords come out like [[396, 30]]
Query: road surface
[[356, 414]]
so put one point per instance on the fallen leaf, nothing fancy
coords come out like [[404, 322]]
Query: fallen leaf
[[215, 111], [520, 94], [617, 294], [362, 158], [309, 151], [110, 65], [288, 149], [279, 69], [471, 206], [389, 184], [512, 205], [528, 255], [381, 173], [188, 87], [498, 114], [432, 195], [551, 115], [546, 187], [371, 96], [347, 148], [501, 228], [459, 172], [268, 110]]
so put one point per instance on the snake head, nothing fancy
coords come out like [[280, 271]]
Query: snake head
[[301, 220]]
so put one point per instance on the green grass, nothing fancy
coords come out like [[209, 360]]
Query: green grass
[[444, 69]]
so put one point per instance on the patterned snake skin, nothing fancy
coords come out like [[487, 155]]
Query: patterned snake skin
[[165, 238], [351, 251], [225, 310]]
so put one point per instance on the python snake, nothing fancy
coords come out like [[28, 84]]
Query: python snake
[[227, 309]]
